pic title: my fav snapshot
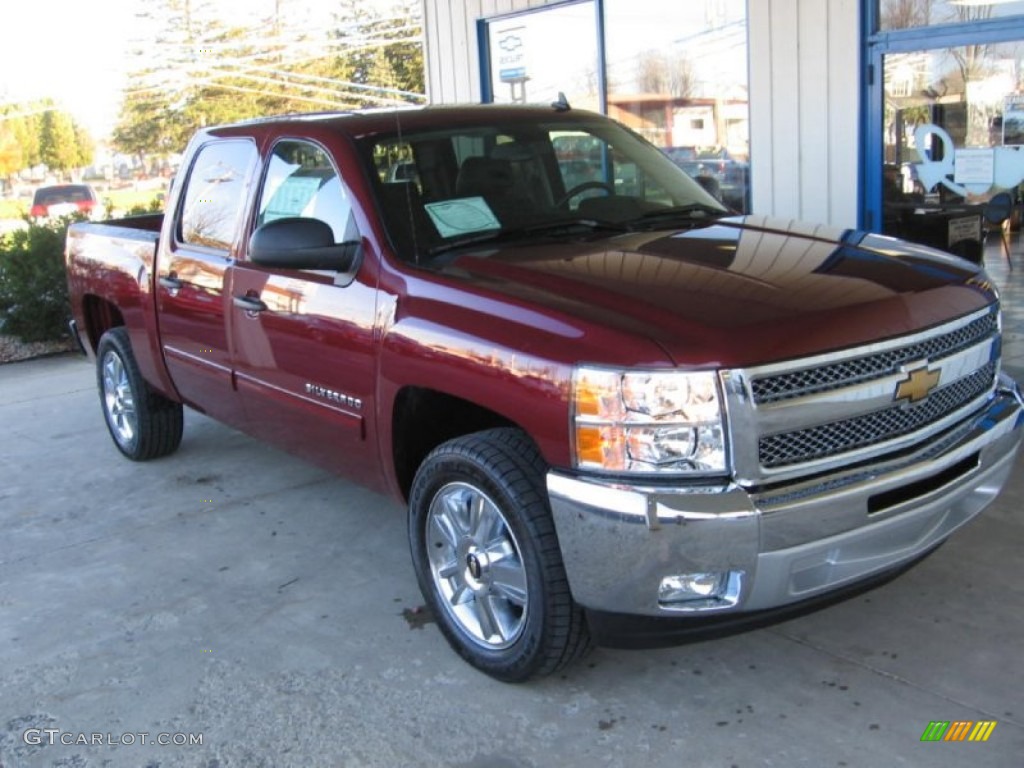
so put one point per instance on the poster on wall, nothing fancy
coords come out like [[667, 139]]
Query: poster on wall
[[974, 166], [509, 45], [537, 54], [1013, 120]]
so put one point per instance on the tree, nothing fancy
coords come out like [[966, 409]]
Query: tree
[[212, 74], [150, 124], [904, 14], [58, 146], [19, 137], [36, 132], [661, 73], [10, 150], [26, 129], [380, 51], [84, 145]]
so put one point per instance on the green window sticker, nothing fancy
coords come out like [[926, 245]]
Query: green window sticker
[[463, 216], [292, 197]]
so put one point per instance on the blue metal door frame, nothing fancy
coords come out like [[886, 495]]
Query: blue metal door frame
[[876, 46]]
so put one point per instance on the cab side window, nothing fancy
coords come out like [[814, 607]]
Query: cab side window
[[301, 181], [216, 193]]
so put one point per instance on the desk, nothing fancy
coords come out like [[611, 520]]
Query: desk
[[956, 228]]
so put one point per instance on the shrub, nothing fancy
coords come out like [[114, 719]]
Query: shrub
[[156, 205], [34, 302]]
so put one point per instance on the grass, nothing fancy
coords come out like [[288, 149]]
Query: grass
[[123, 199]]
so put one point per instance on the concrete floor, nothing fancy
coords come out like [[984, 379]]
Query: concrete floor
[[233, 593]]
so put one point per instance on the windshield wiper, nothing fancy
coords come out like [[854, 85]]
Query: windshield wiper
[[561, 227], [689, 213], [572, 226]]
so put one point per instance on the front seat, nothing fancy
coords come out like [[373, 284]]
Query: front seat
[[494, 180]]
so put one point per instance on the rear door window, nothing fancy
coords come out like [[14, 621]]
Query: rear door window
[[215, 194]]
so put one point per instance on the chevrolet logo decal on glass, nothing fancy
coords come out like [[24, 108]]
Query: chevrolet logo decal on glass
[[918, 384]]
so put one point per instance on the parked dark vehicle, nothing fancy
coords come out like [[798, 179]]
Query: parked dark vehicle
[[64, 200], [725, 177], [612, 408]]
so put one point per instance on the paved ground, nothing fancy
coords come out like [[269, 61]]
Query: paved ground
[[232, 593]]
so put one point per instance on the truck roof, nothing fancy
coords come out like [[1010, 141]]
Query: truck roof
[[385, 120]]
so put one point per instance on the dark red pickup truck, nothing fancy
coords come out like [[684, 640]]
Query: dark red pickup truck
[[616, 411]]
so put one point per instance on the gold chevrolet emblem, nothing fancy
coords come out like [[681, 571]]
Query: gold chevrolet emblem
[[918, 385]]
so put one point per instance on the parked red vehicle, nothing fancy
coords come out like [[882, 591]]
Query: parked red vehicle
[[65, 200], [615, 411]]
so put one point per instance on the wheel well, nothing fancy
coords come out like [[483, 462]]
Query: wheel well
[[425, 418], [100, 316]]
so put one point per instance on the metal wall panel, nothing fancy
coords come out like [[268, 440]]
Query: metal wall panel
[[805, 96]]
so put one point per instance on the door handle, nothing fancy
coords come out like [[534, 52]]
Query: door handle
[[171, 283], [249, 303]]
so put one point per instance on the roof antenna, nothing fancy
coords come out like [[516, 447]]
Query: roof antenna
[[562, 104]]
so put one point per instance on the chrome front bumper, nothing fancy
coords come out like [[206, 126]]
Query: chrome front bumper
[[783, 544]]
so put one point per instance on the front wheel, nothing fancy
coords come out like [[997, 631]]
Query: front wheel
[[143, 423], [487, 557]]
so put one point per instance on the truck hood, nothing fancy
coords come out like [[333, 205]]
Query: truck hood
[[740, 291]]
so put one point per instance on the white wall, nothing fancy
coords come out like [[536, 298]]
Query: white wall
[[805, 108], [804, 95]]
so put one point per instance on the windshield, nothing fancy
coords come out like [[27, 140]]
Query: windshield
[[440, 189]]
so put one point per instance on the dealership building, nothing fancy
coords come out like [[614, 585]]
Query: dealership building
[[899, 116]]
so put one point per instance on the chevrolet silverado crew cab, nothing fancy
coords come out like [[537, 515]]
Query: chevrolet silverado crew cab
[[615, 410]]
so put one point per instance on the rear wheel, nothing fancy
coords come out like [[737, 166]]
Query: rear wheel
[[143, 423], [487, 557]]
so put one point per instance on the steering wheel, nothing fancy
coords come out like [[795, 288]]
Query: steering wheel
[[581, 188]]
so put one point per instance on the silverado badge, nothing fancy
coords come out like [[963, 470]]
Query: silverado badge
[[918, 384]]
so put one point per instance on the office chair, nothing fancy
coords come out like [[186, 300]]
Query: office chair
[[997, 212]]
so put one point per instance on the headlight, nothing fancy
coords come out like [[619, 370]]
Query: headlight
[[648, 421]]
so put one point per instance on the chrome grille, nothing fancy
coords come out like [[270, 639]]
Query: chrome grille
[[840, 437], [839, 409], [784, 386]]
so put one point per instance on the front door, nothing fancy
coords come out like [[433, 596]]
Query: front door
[[302, 340]]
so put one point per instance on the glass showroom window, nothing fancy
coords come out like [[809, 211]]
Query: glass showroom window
[[537, 55], [677, 73], [907, 14], [953, 130]]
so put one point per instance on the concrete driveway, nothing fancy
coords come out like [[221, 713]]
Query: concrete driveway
[[234, 595]]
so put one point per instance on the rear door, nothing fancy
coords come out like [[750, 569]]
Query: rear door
[[191, 298], [302, 340]]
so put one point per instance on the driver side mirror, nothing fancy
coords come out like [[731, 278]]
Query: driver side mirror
[[301, 243]]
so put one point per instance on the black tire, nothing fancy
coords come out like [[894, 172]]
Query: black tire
[[144, 424], [496, 585]]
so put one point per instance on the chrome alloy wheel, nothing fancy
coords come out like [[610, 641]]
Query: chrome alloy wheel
[[118, 399], [477, 565]]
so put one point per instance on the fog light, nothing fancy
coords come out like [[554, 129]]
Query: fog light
[[683, 587]]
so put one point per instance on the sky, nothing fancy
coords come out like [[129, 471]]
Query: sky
[[75, 51], [69, 51]]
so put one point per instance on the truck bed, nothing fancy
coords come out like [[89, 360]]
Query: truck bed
[[132, 238], [110, 270]]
